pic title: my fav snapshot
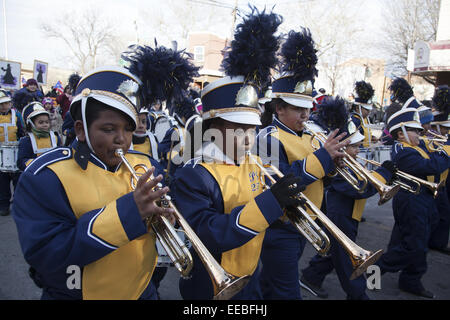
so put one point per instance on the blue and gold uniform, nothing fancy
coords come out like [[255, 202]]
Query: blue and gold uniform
[[344, 207], [283, 244], [86, 218], [292, 152], [222, 197], [225, 205], [35, 143], [415, 215], [94, 228]]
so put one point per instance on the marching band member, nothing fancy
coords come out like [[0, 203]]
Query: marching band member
[[11, 130], [89, 217], [143, 140], [220, 192], [40, 138], [402, 92], [414, 215], [363, 104], [287, 146], [440, 125], [344, 206]]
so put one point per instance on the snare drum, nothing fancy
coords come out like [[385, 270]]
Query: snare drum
[[384, 154], [163, 257], [162, 125], [8, 157]]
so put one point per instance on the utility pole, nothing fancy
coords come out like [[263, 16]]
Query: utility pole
[[234, 13], [4, 29]]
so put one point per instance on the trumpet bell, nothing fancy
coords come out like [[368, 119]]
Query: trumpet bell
[[363, 262], [229, 289], [387, 193]]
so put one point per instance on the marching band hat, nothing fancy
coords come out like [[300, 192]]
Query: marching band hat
[[113, 86], [247, 68], [4, 97], [298, 69], [425, 114], [408, 117], [353, 134], [364, 94], [32, 110]]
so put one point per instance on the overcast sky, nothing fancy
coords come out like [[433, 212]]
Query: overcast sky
[[26, 41]]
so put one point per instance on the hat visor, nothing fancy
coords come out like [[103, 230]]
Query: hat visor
[[113, 103], [441, 123], [356, 137], [298, 102], [411, 124], [5, 99], [364, 105], [243, 117]]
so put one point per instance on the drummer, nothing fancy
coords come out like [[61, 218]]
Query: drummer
[[11, 129]]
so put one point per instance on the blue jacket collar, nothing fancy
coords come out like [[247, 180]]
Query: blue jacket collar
[[277, 123]]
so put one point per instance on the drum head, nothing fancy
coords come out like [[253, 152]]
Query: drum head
[[8, 158], [162, 125]]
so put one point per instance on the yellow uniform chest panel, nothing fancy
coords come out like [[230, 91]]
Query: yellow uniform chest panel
[[298, 148], [143, 147], [125, 272], [239, 185], [12, 130]]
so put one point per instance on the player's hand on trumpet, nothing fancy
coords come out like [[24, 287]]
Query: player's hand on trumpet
[[334, 145], [146, 197]]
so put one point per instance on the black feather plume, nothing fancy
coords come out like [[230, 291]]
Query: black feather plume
[[185, 108], [333, 114], [441, 99], [165, 73], [73, 80], [253, 50], [298, 55], [401, 90], [364, 91]]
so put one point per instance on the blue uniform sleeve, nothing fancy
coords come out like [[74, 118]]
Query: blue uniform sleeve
[[411, 161], [50, 235], [199, 199], [25, 153]]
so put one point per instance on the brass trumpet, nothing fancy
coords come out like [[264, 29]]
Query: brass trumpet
[[386, 192], [433, 187], [361, 259], [438, 140], [225, 284]]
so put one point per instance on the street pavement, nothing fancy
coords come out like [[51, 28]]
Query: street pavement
[[373, 234]]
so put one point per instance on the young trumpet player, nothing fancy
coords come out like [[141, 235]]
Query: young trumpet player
[[344, 206], [219, 191], [86, 234], [284, 143], [415, 215]]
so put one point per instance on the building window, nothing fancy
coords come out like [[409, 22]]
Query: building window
[[199, 53]]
